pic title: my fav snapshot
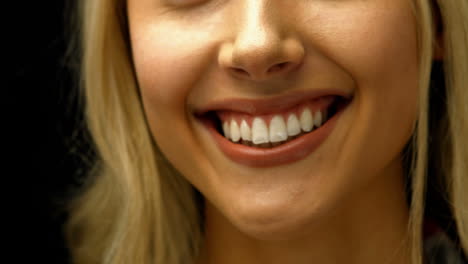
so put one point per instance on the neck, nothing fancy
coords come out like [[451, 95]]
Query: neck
[[369, 227]]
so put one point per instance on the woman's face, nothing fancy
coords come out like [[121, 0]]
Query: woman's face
[[208, 65]]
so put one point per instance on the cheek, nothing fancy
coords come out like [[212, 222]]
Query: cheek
[[379, 50], [169, 60], [376, 44], [371, 44], [164, 68], [386, 69]]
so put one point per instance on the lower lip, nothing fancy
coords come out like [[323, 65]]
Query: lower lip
[[292, 151]]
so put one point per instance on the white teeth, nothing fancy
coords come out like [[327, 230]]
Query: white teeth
[[235, 133], [259, 131], [245, 131], [318, 119], [277, 129], [294, 127], [226, 130], [307, 121]]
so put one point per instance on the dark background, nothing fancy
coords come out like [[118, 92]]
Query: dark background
[[42, 121]]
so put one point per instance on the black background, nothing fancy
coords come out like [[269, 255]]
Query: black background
[[42, 121]]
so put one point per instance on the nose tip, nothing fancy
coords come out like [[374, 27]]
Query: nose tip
[[261, 62]]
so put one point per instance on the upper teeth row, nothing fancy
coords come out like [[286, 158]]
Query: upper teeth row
[[278, 130]]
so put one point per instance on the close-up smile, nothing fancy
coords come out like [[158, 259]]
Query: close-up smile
[[274, 131], [263, 132]]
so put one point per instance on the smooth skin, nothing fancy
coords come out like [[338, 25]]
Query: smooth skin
[[343, 203]]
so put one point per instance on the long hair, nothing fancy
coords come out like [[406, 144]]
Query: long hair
[[136, 208]]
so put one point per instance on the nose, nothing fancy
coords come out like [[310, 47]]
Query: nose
[[260, 49]]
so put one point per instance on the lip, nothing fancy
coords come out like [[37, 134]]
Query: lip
[[270, 105], [289, 152]]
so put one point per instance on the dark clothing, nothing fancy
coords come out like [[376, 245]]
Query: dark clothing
[[438, 248]]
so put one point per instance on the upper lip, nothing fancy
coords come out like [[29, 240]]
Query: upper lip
[[271, 104]]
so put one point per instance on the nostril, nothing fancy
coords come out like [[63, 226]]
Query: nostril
[[240, 71], [278, 67]]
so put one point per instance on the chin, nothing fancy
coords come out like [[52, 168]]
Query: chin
[[273, 220], [272, 227]]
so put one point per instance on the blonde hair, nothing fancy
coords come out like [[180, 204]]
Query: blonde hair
[[135, 208]]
